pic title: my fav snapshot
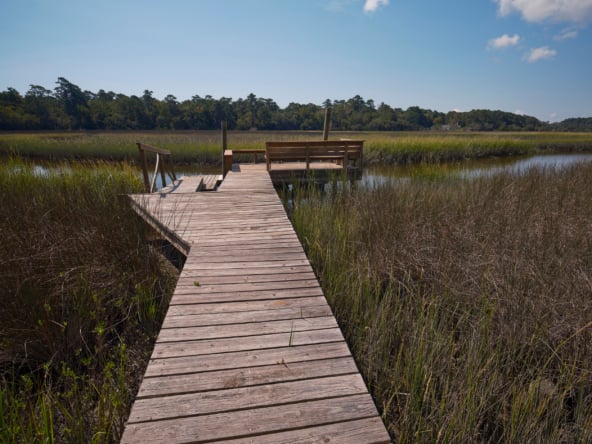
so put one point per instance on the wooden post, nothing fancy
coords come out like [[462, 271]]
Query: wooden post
[[144, 164], [327, 123], [224, 140], [171, 169], [162, 175], [226, 153], [227, 162]]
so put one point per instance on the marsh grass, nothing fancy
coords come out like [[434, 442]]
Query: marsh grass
[[186, 147], [204, 147], [412, 148], [83, 295], [467, 303]]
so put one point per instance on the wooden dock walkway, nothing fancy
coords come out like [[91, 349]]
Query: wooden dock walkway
[[249, 351]]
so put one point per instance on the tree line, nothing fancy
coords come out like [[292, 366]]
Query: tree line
[[68, 107]]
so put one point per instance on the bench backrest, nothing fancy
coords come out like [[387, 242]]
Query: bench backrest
[[310, 151]]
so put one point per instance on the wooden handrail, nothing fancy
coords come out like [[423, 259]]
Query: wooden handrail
[[160, 166]]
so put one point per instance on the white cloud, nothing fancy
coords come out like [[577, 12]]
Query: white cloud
[[542, 53], [373, 5], [578, 11], [566, 34], [504, 41]]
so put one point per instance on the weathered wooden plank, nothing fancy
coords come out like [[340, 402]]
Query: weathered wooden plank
[[214, 212], [192, 348], [172, 321], [193, 286], [199, 239], [251, 422], [272, 222], [194, 264], [267, 204], [245, 359], [367, 430], [214, 228], [264, 232], [253, 257], [179, 207], [234, 223], [290, 245], [254, 272], [190, 277], [247, 329], [241, 200], [266, 216], [191, 298], [247, 376], [232, 307], [252, 397]]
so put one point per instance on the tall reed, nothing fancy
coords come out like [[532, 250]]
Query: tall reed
[[467, 303], [83, 293]]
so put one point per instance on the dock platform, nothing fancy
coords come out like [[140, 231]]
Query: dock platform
[[249, 351]]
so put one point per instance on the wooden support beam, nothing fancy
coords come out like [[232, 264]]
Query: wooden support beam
[[144, 164], [224, 126], [227, 161], [327, 125]]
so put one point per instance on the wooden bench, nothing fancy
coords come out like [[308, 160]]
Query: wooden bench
[[346, 153]]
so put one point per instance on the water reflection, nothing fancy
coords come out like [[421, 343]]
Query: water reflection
[[522, 165], [374, 176], [45, 168]]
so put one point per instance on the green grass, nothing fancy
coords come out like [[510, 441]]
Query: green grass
[[466, 303], [204, 147], [83, 295]]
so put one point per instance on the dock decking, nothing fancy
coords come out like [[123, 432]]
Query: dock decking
[[249, 351]]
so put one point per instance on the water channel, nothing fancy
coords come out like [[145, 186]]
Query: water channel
[[376, 175]]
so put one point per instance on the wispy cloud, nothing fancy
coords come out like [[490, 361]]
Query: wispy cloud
[[504, 41], [542, 53], [576, 11], [373, 5], [566, 34], [337, 5]]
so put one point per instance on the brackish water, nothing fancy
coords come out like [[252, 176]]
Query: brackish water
[[377, 175]]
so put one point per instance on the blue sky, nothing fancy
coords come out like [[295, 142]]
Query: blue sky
[[525, 56]]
